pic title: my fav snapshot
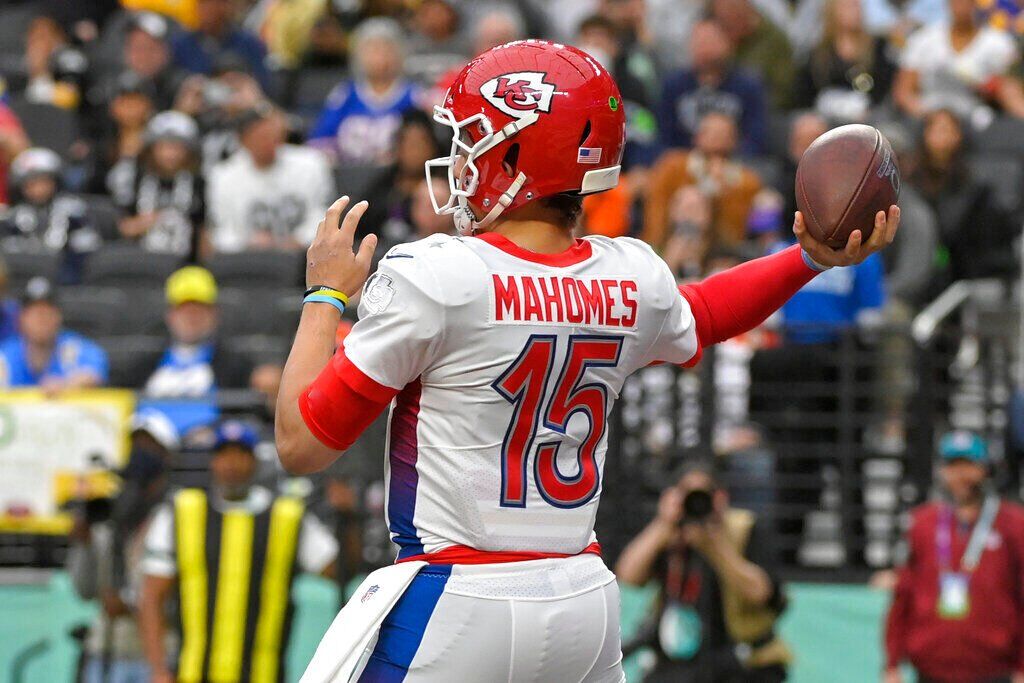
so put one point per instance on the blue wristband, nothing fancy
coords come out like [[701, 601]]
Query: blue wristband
[[812, 264], [322, 299]]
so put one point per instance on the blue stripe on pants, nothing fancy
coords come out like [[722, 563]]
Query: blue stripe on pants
[[402, 630]]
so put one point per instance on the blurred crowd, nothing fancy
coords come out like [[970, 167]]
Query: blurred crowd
[[181, 132], [163, 164], [205, 127]]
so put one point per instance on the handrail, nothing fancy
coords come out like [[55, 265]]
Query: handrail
[[956, 295]]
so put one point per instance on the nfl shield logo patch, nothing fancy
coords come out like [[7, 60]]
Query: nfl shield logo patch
[[370, 592]]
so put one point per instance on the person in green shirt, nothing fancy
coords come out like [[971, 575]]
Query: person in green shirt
[[760, 45]]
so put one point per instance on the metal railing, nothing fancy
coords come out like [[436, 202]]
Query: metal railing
[[830, 443]]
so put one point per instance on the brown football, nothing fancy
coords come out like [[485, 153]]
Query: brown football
[[845, 177]]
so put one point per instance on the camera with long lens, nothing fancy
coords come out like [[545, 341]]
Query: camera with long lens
[[697, 506]]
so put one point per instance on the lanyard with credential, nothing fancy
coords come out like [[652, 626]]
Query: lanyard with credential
[[975, 545]]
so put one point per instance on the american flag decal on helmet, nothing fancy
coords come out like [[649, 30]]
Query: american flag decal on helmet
[[589, 155]]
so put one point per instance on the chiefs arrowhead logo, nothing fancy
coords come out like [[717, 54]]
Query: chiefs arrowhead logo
[[520, 93]]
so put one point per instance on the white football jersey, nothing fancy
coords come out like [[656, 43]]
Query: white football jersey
[[508, 364]]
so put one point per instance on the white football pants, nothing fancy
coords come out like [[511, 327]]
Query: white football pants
[[543, 621]]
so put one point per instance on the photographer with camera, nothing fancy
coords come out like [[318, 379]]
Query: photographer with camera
[[106, 552], [714, 618]]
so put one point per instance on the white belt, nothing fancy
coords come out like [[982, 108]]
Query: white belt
[[549, 579]]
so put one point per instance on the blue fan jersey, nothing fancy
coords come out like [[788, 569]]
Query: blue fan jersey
[[359, 126], [72, 354]]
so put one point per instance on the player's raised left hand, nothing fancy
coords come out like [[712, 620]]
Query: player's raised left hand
[[330, 260], [855, 251]]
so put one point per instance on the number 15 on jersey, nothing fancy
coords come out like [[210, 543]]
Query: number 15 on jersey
[[524, 384]]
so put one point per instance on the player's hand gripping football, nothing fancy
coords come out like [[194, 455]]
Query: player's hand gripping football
[[330, 260], [856, 249]]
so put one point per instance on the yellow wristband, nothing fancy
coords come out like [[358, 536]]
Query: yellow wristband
[[322, 290]]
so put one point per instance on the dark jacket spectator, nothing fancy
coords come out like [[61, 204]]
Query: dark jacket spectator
[[119, 131], [760, 46], [910, 259], [635, 49], [161, 193], [390, 195], [147, 54], [712, 83], [957, 611], [43, 218], [600, 38], [216, 39], [849, 72], [973, 228]]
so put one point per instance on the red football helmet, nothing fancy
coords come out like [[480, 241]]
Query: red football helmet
[[529, 119]]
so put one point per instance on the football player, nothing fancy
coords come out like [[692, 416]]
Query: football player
[[501, 352]]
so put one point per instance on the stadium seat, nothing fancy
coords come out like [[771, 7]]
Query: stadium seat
[[22, 266], [14, 22], [258, 268], [314, 85], [1004, 136], [354, 181], [129, 266], [46, 125], [259, 348], [144, 315], [1004, 174], [93, 311], [104, 215], [244, 311], [274, 312], [132, 358]]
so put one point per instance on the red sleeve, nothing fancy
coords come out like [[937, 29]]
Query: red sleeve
[[1018, 527], [342, 402], [739, 299], [896, 622]]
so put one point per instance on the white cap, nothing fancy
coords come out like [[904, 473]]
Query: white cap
[[158, 425]]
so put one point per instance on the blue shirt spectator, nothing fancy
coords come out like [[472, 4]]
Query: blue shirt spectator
[[42, 354], [361, 118], [357, 127], [218, 40], [8, 318], [712, 84], [834, 301], [73, 355], [8, 307]]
